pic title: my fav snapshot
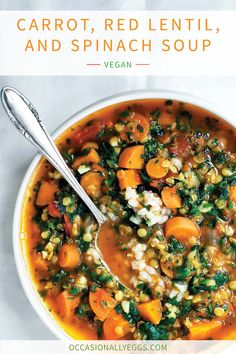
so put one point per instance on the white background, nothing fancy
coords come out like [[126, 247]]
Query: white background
[[56, 99], [190, 52]]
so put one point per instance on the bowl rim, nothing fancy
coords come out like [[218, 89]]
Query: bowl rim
[[21, 264]]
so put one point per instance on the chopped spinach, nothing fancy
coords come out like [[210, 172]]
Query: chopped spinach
[[156, 114], [151, 148], [185, 307], [198, 284], [145, 177], [153, 332], [175, 246], [108, 155], [145, 288], [124, 114], [132, 316], [183, 121], [156, 130]]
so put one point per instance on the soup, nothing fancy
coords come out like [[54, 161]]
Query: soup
[[163, 172]]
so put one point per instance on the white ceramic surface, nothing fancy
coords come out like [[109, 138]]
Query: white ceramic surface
[[21, 263]]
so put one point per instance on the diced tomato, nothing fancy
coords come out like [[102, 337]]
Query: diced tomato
[[53, 210], [87, 133], [158, 183], [181, 147], [67, 225]]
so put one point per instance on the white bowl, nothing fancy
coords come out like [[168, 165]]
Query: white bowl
[[21, 262]]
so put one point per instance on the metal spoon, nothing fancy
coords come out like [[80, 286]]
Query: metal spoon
[[26, 119]]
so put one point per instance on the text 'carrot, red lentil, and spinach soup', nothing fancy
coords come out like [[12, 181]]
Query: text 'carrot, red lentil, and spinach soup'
[[164, 174]]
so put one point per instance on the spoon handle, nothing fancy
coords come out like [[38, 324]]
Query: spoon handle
[[26, 119]]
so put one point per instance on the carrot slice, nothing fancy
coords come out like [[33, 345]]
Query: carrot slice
[[53, 210], [155, 168], [40, 264], [171, 198], [90, 145], [91, 183], [128, 178], [92, 156], [151, 311], [183, 229], [66, 304], [69, 256], [136, 128], [46, 193], [167, 269], [232, 193], [204, 329], [132, 157], [115, 326], [229, 334], [102, 303]]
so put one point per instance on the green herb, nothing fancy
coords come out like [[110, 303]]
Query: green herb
[[213, 284], [212, 223], [84, 268], [151, 148], [84, 152], [41, 223], [215, 142], [101, 133], [185, 271], [156, 130], [173, 301], [221, 278], [132, 316], [183, 121], [140, 128], [223, 190], [69, 158], [59, 276], [210, 310], [145, 288], [145, 177], [124, 114], [153, 332], [104, 304], [42, 293], [82, 209], [175, 246], [36, 187], [105, 278], [99, 326], [110, 180], [156, 114], [74, 291], [84, 311], [221, 157], [82, 245], [108, 155], [39, 247], [186, 307]]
